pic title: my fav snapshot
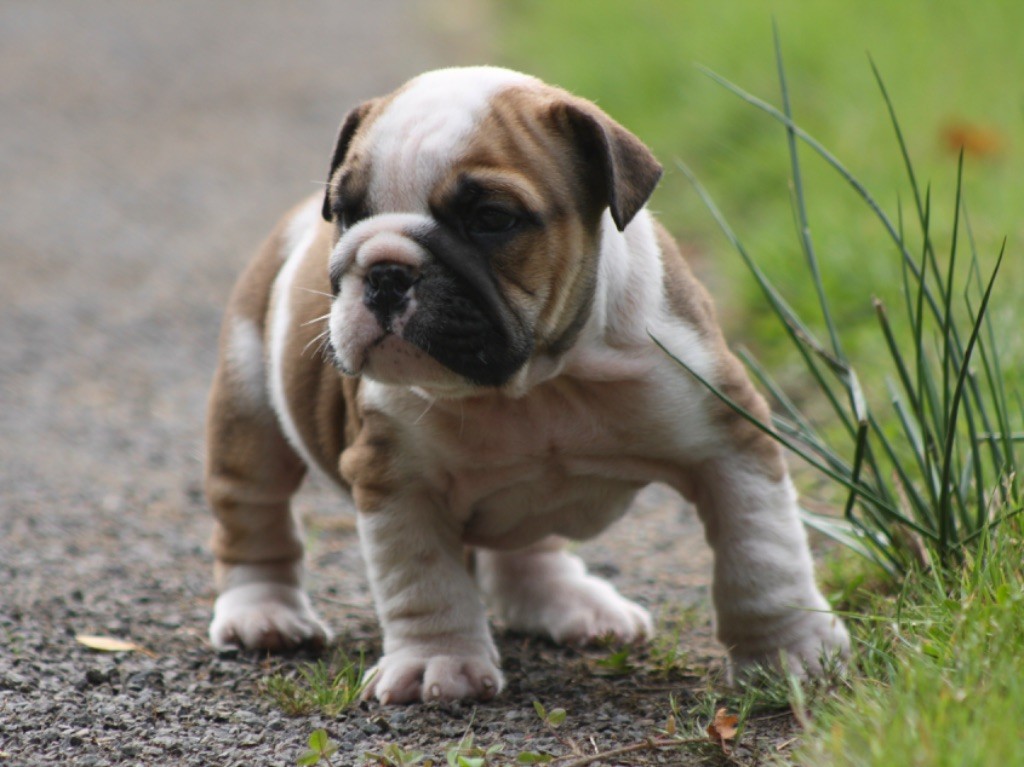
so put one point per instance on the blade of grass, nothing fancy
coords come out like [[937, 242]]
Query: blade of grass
[[947, 319], [774, 389], [799, 203], [923, 214], [800, 427], [850, 536], [977, 470], [923, 510], [897, 357]]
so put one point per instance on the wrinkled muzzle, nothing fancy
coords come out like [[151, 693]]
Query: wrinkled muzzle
[[407, 289]]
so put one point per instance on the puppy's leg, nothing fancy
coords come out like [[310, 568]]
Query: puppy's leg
[[768, 608], [543, 589], [437, 645], [251, 474]]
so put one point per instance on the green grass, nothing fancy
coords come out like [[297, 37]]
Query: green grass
[[939, 680], [933, 496]]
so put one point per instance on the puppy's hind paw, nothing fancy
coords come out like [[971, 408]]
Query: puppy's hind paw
[[589, 609], [266, 616], [549, 592]]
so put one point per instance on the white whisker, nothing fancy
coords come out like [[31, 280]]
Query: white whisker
[[321, 318], [318, 293], [322, 336], [324, 347]]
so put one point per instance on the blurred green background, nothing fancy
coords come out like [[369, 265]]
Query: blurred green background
[[955, 71]]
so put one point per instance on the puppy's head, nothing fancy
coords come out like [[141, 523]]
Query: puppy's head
[[467, 207]]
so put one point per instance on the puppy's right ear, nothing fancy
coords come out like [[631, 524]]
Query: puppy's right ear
[[348, 129]]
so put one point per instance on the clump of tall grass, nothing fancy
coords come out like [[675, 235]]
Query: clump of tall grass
[[928, 480]]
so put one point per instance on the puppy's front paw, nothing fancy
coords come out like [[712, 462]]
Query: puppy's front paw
[[436, 671], [266, 616], [804, 647]]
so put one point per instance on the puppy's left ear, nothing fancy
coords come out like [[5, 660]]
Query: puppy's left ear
[[346, 132], [627, 169]]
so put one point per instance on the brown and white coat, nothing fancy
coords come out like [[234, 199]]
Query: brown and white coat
[[486, 282]]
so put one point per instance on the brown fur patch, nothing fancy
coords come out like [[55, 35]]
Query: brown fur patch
[[687, 297], [369, 463], [552, 269], [251, 470]]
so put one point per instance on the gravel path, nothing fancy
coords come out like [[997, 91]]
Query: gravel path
[[145, 149]]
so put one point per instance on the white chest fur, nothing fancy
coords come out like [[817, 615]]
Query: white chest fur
[[566, 459]]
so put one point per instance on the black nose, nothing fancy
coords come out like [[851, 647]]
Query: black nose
[[386, 289]]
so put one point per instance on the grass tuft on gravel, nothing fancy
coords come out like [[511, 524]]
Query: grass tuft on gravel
[[325, 686]]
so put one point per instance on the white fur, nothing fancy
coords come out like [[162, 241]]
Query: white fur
[[265, 615], [543, 589], [436, 641], [379, 238], [354, 329], [299, 237], [766, 601], [263, 605], [245, 361], [425, 128]]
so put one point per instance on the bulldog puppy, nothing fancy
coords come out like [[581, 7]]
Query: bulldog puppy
[[459, 333]]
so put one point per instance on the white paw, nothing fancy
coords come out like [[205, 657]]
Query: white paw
[[804, 647], [583, 610], [265, 616], [455, 670]]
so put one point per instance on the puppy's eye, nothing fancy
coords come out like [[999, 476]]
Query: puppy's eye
[[353, 214], [491, 219]]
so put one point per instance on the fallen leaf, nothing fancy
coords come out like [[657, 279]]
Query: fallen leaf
[[109, 644], [723, 728]]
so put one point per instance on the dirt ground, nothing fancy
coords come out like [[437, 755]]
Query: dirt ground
[[145, 150]]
